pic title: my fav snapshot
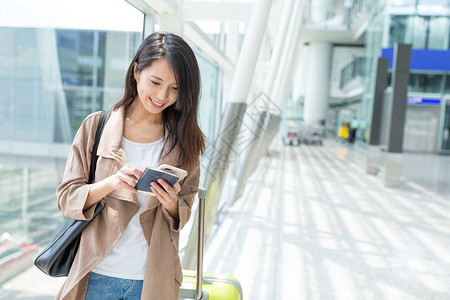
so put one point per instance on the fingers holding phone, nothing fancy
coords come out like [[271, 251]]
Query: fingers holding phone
[[126, 177], [167, 195]]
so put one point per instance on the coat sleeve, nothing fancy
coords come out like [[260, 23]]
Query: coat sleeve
[[73, 191], [186, 196]]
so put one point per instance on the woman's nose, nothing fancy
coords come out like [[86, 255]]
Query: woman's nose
[[162, 94]]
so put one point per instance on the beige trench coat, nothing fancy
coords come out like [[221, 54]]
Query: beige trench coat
[[163, 275]]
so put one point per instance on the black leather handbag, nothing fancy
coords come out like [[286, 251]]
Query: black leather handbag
[[56, 260]]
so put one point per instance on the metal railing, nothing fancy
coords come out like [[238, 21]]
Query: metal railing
[[355, 69], [335, 17]]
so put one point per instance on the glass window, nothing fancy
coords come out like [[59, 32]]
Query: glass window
[[420, 29], [446, 131], [207, 106], [56, 53], [425, 83], [59, 61], [76, 56], [431, 7], [403, 3], [447, 84], [214, 30], [438, 30], [448, 35], [401, 29], [424, 32]]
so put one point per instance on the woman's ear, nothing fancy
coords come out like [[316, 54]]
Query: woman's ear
[[135, 73]]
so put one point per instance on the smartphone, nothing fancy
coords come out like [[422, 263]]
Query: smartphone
[[174, 170]]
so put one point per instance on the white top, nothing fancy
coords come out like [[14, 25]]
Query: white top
[[129, 255]]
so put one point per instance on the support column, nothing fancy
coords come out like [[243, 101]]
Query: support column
[[249, 53], [374, 151], [287, 17], [262, 115], [317, 91], [231, 121], [400, 80], [300, 75], [283, 84]]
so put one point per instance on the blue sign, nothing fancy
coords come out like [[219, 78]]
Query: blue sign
[[424, 101], [423, 59]]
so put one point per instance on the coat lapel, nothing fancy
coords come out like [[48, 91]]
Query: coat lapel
[[110, 147], [111, 140]]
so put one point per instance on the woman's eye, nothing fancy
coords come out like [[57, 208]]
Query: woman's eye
[[175, 88], [155, 82]]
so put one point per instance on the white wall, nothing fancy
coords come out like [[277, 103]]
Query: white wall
[[341, 57]]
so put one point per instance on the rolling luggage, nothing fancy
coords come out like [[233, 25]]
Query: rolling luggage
[[212, 286]]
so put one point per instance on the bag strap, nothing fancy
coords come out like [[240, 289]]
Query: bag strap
[[101, 124]]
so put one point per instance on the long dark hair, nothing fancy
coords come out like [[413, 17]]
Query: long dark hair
[[179, 119]]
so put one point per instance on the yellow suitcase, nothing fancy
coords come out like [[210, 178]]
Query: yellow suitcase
[[212, 286]]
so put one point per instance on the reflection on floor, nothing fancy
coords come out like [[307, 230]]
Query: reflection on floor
[[312, 225]]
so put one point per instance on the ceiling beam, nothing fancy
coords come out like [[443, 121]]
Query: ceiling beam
[[217, 11], [141, 5], [205, 46], [201, 42], [162, 6]]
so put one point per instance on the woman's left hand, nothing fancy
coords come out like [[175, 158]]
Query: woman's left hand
[[168, 196]]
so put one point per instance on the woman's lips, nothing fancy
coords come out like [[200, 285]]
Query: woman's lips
[[154, 104]]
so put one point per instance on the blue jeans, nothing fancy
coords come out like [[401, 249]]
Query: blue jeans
[[101, 287]]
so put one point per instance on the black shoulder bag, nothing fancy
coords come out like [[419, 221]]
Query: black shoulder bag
[[56, 260]]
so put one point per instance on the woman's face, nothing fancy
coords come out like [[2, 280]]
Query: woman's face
[[156, 86]]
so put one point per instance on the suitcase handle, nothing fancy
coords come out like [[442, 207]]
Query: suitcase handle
[[201, 230]]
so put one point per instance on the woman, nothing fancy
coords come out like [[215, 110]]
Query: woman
[[130, 250]]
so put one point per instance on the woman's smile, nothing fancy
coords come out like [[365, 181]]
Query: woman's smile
[[155, 104]]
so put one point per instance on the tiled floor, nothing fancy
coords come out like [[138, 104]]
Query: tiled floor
[[313, 225]]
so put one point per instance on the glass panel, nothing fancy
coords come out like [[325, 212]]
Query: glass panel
[[423, 31], [401, 29], [207, 106], [334, 16], [448, 30], [403, 3], [437, 32], [76, 54], [420, 31], [425, 83], [38, 66], [59, 61], [446, 135], [213, 30], [447, 84], [373, 46], [432, 7]]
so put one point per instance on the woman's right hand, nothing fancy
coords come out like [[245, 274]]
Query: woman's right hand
[[125, 178]]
